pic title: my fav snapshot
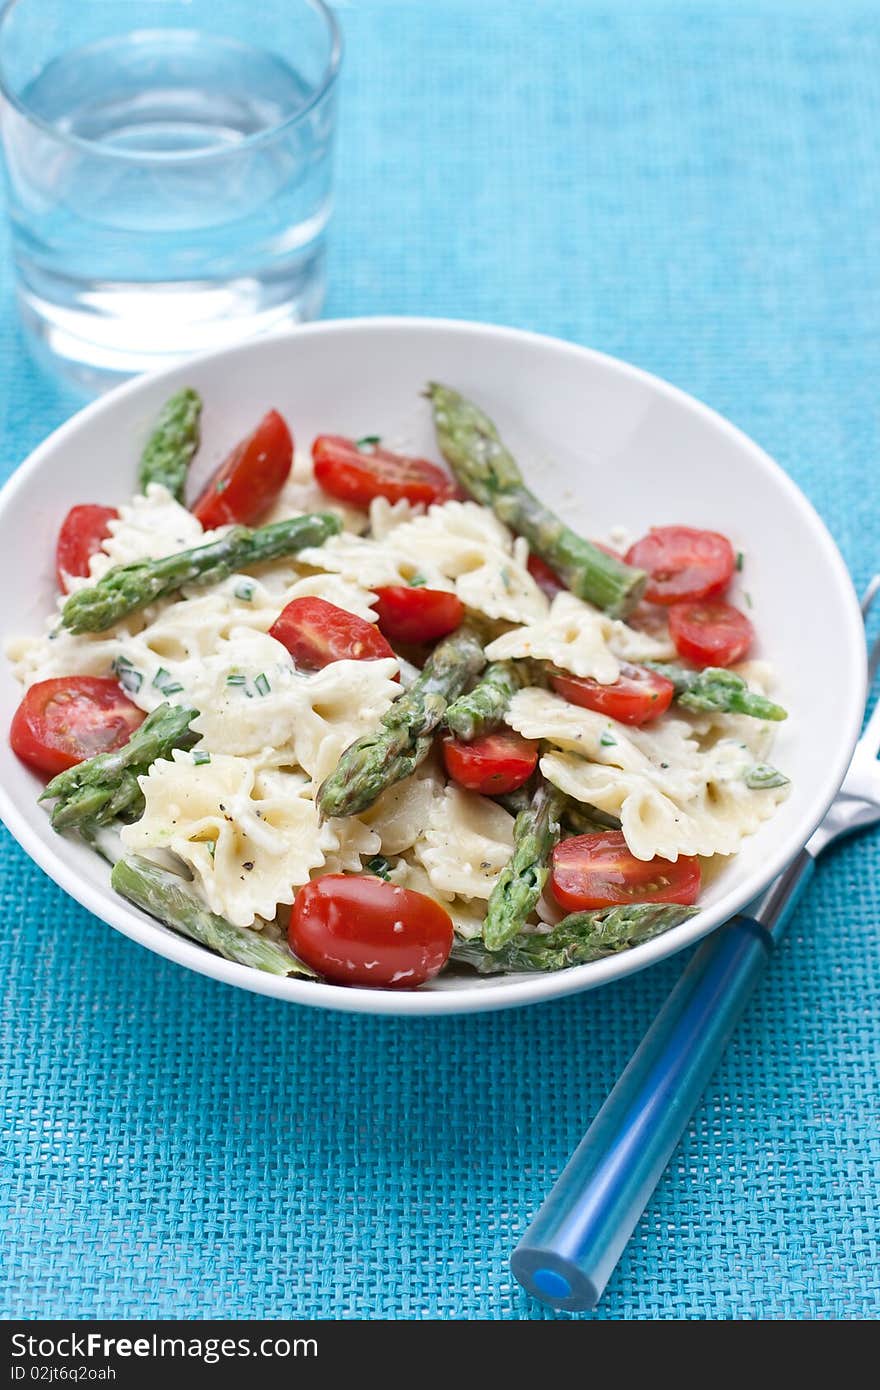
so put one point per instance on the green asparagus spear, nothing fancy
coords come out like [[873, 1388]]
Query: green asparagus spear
[[168, 897], [482, 709], [169, 450], [126, 588], [520, 884], [106, 786], [403, 738], [580, 937], [716, 689], [471, 445]]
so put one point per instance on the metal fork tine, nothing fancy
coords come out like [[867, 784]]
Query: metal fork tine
[[870, 594], [873, 660]]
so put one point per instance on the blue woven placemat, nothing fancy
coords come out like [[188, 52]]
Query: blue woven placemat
[[696, 188]]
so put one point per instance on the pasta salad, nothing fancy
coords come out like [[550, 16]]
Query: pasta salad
[[363, 718]]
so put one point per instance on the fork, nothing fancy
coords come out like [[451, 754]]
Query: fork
[[571, 1247]]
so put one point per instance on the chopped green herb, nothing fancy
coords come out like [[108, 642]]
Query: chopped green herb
[[244, 590], [606, 741], [164, 681], [739, 559], [221, 485], [236, 680], [369, 441], [129, 678], [748, 599], [379, 866], [261, 684], [762, 777], [199, 757], [418, 581]]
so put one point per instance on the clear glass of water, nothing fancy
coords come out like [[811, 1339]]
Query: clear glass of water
[[169, 172]]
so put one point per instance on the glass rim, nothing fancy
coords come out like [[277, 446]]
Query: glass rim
[[322, 87]]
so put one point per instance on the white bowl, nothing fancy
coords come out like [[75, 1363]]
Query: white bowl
[[603, 442]]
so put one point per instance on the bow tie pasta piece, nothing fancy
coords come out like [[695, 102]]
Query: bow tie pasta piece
[[345, 842], [150, 526], [713, 819], [466, 843], [401, 813], [539, 714], [366, 562], [578, 638], [467, 544], [250, 837], [672, 797], [62, 653], [291, 718]]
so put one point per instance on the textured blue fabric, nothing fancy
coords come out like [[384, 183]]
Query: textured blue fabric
[[695, 187]]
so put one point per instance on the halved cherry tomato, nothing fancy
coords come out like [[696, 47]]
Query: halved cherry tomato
[[593, 871], [80, 537], [637, 696], [710, 634], [417, 615], [492, 765], [316, 632], [683, 563], [358, 475], [63, 721], [545, 578], [364, 931], [250, 479]]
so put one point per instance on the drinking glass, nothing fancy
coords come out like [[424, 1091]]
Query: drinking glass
[[169, 172]]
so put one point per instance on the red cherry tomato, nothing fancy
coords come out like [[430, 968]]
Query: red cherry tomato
[[545, 578], [358, 475], [316, 632], [593, 871], [250, 479], [63, 721], [417, 615], [683, 563], [494, 764], [80, 537], [637, 696], [364, 931], [710, 634]]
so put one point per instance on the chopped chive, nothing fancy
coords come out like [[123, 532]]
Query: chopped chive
[[200, 757], [236, 680], [368, 441], [379, 866], [418, 581], [161, 677], [173, 689], [261, 684], [748, 599], [762, 777], [606, 741], [130, 679], [244, 590], [739, 559]]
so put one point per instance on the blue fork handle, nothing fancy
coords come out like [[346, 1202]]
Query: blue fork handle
[[568, 1252]]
